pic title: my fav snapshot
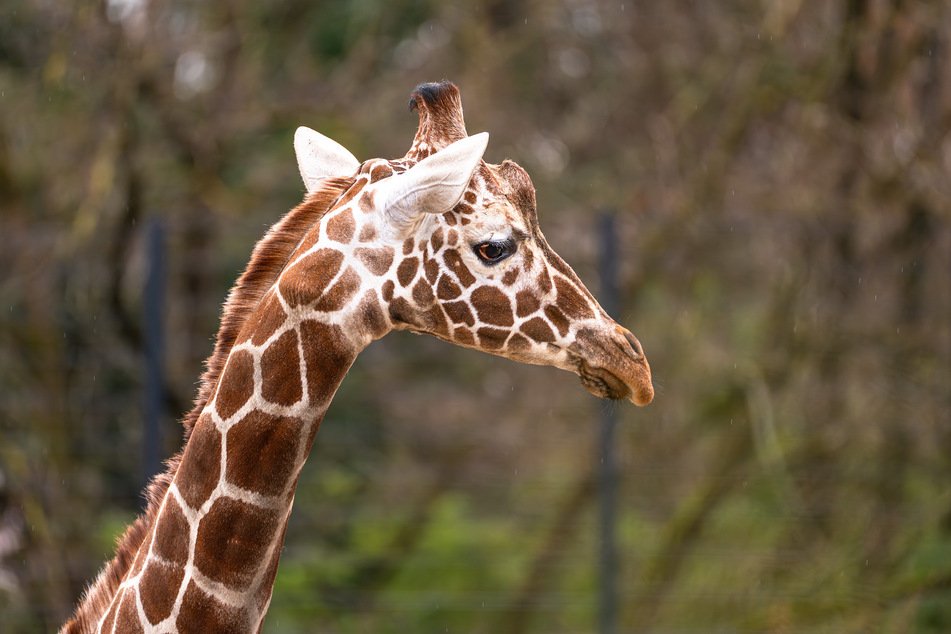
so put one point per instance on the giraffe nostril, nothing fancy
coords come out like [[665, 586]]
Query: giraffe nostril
[[631, 339]]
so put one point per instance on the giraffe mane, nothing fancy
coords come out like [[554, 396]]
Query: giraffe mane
[[269, 258]]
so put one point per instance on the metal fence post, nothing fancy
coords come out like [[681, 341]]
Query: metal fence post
[[607, 468], [153, 324]]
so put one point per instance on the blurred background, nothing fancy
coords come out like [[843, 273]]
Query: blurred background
[[778, 171]]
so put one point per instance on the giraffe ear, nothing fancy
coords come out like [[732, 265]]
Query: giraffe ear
[[319, 157], [435, 184]]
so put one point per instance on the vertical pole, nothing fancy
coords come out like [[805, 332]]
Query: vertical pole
[[153, 306], [607, 468]]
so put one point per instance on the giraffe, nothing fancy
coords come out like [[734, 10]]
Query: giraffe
[[437, 242]]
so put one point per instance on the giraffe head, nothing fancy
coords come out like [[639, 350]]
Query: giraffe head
[[441, 242]]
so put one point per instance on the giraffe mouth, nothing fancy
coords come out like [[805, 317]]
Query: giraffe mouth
[[613, 367]]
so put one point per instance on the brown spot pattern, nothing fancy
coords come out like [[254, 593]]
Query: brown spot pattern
[[201, 612], [264, 321], [544, 281], [309, 278], [236, 385], [328, 358], [459, 313], [380, 171], [538, 330], [492, 338], [447, 289], [432, 270], [366, 202], [518, 343], [267, 583], [526, 303], [197, 477], [470, 196], [492, 306], [437, 239], [423, 294], [436, 321], [377, 261], [558, 319], [571, 302], [171, 543], [341, 226], [127, 618], [406, 271], [109, 621], [452, 237], [340, 294], [263, 452], [510, 276], [457, 266], [388, 289], [163, 582], [450, 218], [143, 552], [408, 245], [351, 193], [401, 311], [372, 317], [281, 362], [232, 540], [312, 237], [463, 336], [528, 258], [367, 232]]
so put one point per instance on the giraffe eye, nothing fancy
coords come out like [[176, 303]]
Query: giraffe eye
[[494, 251]]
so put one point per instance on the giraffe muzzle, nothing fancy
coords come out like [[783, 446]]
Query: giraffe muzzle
[[612, 365]]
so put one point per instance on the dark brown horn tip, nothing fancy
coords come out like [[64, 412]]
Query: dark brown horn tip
[[430, 94], [440, 117]]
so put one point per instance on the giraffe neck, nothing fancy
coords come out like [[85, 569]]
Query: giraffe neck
[[209, 560]]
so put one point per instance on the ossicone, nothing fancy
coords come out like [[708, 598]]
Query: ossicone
[[441, 122]]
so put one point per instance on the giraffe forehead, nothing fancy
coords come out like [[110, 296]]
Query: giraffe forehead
[[497, 220]]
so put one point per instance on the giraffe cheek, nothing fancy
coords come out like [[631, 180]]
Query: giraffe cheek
[[526, 303], [492, 306]]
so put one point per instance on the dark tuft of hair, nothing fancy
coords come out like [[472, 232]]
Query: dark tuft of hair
[[431, 93]]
